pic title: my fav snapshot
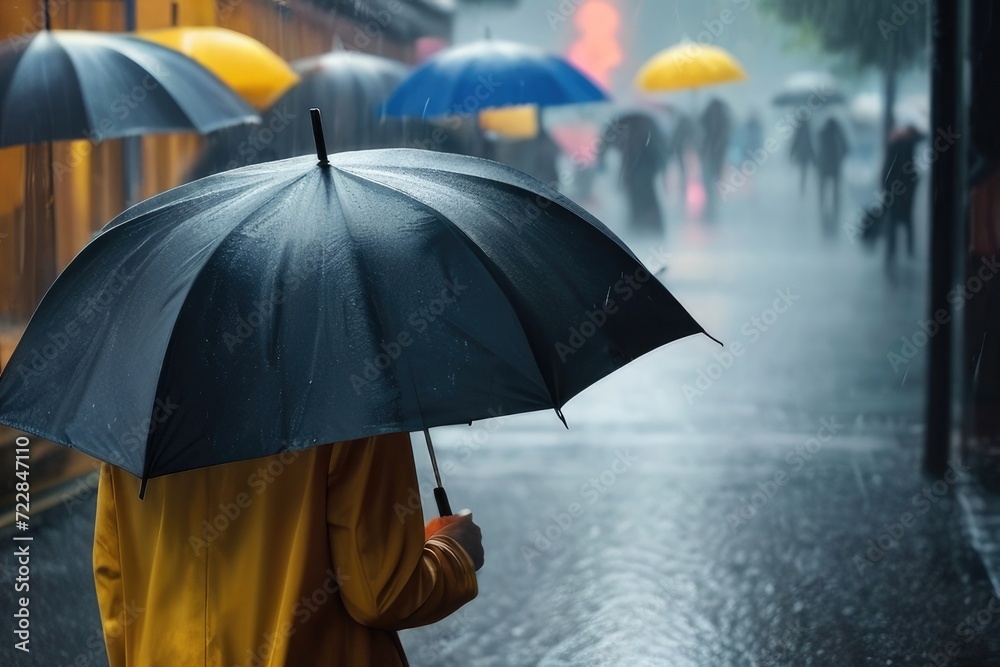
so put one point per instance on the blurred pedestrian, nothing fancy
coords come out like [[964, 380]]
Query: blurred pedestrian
[[753, 134], [832, 149], [639, 140], [716, 128], [899, 183], [545, 154], [802, 153], [682, 143], [311, 557]]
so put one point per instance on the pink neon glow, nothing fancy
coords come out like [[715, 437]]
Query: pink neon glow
[[597, 51]]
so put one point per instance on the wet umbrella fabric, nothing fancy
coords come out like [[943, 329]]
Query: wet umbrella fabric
[[64, 85], [349, 86], [285, 305], [487, 74]]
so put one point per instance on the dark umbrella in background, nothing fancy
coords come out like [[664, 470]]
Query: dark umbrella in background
[[353, 85], [66, 85], [291, 304]]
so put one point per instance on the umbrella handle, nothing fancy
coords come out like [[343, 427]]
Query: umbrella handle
[[441, 497]]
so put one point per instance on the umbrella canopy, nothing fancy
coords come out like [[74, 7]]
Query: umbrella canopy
[[351, 86], [290, 304], [805, 87], [64, 85], [490, 73], [688, 65], [254, 71]]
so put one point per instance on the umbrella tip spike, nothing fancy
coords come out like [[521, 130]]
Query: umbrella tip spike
[[317, 123], [142, 487], [563, 419], [713, 338]]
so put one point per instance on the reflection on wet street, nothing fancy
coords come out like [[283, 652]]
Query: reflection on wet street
[[754, 517]]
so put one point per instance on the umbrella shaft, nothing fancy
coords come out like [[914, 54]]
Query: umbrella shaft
[[434, 463]]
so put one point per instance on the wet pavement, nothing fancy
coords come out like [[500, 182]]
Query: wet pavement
[[763, 508]]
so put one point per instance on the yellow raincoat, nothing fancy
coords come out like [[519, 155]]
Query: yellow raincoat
[[313, 557]]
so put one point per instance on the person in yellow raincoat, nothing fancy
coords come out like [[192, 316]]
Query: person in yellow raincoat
[[311, 557]]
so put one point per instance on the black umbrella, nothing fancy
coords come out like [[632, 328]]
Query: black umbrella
[[290, 304], [351, 85], [66, 84]]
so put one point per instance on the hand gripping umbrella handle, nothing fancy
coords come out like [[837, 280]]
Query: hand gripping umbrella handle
[[440, 496]]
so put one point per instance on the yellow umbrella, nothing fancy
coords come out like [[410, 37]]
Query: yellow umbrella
[[515, 122], [254, 71], [688, 65]]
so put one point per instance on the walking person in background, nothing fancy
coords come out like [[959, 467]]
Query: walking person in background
[[802, 153], [830, 156], [898, 175], [643, 150], [545, 154], [682, 141], [716, 128]]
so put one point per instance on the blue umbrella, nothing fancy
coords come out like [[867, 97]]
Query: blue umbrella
[[490, 73]]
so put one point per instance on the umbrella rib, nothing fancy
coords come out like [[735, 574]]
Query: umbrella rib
[[249, 217]]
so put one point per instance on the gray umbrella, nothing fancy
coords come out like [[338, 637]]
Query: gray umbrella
[[352, 85], [66, 84], [809, 87]]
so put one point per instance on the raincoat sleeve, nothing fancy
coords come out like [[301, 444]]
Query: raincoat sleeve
[[108, 570], [389, 577]]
